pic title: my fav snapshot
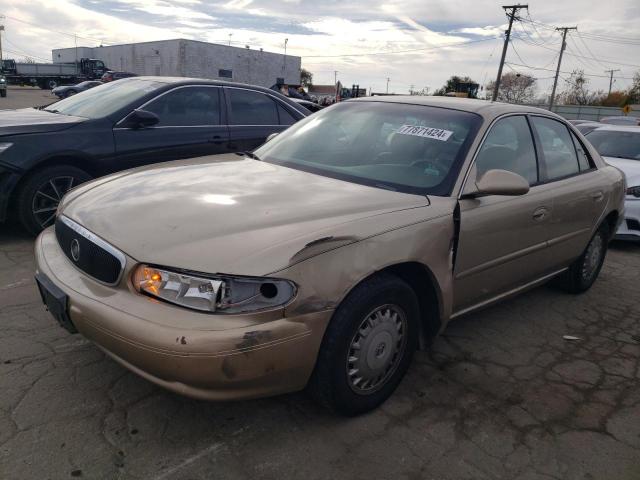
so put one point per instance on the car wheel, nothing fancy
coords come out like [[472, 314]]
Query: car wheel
[[3, 93], [70, 93], [367, 347], [51, 83], [583, 272], [41, 193]]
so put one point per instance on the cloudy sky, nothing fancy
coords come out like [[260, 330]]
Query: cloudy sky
[[417, 43]]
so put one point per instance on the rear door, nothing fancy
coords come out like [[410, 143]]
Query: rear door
[[503, 239], [253, 116], [576, 187], [192, 124]]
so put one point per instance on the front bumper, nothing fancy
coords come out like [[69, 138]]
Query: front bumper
[[212, 357], [629, 228]]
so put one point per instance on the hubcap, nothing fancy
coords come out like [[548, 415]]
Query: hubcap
[[47, 197], [592, 257], [376, 349]]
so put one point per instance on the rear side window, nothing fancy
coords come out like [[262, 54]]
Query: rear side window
[[557, 148], [189, 106], [583, 158], [509, 146], [251, 108], [285, 117]]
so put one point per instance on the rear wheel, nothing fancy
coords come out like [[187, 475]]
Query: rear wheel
[[367, 347], [3, 92], [583, 272], [51, 83], [41, 193]]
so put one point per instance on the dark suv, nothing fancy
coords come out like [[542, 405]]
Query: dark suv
[[128, 123]]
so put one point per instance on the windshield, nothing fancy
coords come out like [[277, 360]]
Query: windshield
[[408, 148], [612, 143], [104, 100]]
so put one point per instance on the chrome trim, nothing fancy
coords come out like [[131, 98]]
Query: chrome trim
[[497, 298], [93, 238]]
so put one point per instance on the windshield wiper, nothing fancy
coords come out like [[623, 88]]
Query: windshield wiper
[[250, 155]]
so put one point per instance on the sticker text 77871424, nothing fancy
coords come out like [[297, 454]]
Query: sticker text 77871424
[[426, 132]]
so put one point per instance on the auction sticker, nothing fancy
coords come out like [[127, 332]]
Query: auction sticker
[[426, 132]]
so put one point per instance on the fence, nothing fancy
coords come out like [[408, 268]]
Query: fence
[[584, 112]]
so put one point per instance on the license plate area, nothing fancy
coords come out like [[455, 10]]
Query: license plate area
[[56, 301]]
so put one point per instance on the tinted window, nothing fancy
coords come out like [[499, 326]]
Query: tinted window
[[251, 108], [610, 143], [583, 157], [408, 148], [559, 153], [189, 106], [285, 117], [509, 146]]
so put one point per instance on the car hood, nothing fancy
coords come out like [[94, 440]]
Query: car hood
[[32, 120], [630, 168], [223, 215]]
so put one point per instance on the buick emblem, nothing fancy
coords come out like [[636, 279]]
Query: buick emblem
[[75, 250]]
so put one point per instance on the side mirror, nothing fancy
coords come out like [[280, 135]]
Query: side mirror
[[140, 119], [271, 137], [501, 182]]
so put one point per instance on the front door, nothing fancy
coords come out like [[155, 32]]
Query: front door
[[502, 239], [192, 124]]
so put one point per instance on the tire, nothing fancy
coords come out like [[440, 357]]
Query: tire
[[70, 93], [39, 195], [3, 93], [585, 270], [381, 355], [51, 83]]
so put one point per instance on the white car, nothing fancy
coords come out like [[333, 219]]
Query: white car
[[620, 147]]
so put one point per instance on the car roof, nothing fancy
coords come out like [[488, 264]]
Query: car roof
[[619, 128], [484, 108]]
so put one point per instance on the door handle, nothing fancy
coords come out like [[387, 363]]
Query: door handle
[[597, 196], [216, 139], [540, 214]]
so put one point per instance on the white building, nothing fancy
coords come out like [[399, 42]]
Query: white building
[[191, 58]]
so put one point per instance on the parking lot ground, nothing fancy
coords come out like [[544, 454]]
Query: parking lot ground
[[501, 395], [23, 97]]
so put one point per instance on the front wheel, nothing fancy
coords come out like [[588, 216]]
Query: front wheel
[[367, 347], [40, 194], [3, 93], [583, 272]]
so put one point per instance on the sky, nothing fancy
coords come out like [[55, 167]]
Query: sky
[[413, 43]]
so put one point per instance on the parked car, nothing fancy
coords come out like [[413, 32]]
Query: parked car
[[110, 76], [309, 105], [585, 128], [577, 121], [620, 146], [3, 86], [69, 90], [119, 125], [323, 258], [621, 120]]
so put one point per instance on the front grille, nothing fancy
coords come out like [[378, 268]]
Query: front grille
[[88, 252], [633, 224]]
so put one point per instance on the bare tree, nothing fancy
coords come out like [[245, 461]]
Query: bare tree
[[306, 78], [578, 93], [514, 88]]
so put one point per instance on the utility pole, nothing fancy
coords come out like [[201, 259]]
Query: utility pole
[[606, 71], [512, 15], [388, 84], [230, 35], [284, 62], [1, 30], [335, 77], [564, 45]]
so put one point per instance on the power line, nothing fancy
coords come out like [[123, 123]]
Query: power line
[[72, 35], [530, 67]]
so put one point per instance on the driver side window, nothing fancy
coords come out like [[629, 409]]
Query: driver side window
[[509, 146]]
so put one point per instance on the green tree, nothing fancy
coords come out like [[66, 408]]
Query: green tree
[[306, 78]]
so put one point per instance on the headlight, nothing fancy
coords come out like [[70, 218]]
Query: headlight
[[4, 146], [217, 293], [634, 191]]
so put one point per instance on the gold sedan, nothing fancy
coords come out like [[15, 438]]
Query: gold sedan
[[327, 256]]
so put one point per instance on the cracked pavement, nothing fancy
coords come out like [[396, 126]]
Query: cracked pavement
[[501, 395]]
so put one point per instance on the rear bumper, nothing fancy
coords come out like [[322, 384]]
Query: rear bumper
[[629, 228], [200, 355]]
